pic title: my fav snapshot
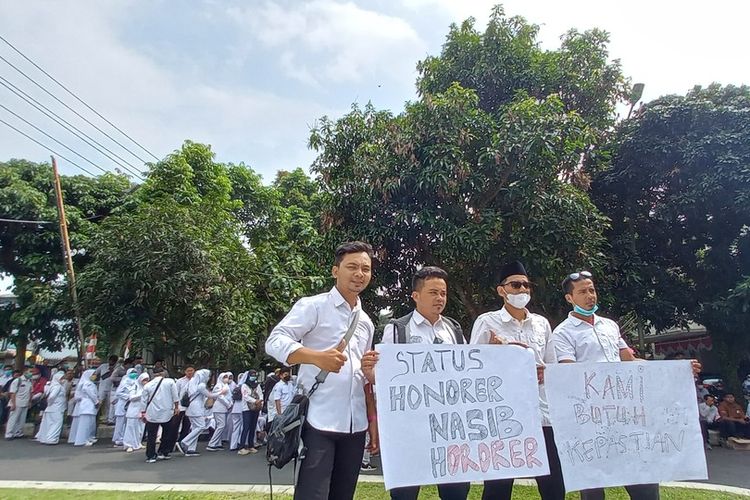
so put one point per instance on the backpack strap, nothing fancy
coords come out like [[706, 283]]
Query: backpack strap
[[323, 374], [455, 326], [401, 330]]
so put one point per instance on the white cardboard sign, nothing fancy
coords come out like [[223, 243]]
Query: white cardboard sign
[[457, 413], [625, 423]]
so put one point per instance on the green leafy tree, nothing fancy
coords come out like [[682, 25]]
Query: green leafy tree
[[678, 194], [490, 164], [31, 253], [205, 264]]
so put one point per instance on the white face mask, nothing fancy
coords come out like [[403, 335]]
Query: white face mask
[[518, 300]]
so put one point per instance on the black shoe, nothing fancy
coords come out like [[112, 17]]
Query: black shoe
[[161, 456], [150, 460], [192, 454]]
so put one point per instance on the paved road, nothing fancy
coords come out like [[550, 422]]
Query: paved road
[[26, 460]]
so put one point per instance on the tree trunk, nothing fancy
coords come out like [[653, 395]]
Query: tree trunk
[[22, 343]]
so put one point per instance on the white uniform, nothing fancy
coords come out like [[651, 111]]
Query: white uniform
[[86, 407], [196, 411], [133, 424], [52, 418], [21, 387], [120, 400], [236, 415], [160, 402], [105, 389], [222, 406], [283, 392]]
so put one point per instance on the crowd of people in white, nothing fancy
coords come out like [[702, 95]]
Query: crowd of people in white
[[146, 405]]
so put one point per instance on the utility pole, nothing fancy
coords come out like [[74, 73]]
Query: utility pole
[[69, 263]]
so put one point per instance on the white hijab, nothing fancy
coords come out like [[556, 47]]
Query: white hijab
[[126, 381], [220, 384], [242, 378], [84, 382], [200, 377]]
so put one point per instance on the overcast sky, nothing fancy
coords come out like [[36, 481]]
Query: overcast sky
[[251, 77]]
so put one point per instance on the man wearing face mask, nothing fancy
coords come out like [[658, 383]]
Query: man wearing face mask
[[281, 395], [584, 337], [19, 399], [514, 324]]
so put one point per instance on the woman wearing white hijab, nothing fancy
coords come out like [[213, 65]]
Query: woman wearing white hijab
[[87, 407], [74, 413], [52, 419], [196, 412], [120, 399], [235, 392], [134, 425], [221, 393]]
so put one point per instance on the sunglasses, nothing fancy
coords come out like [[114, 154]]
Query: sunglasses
[[517, 285], [580, 275]]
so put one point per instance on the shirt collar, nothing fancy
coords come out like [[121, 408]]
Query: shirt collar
[[577, 321], [506, 317], [419, 319], [339, 300]]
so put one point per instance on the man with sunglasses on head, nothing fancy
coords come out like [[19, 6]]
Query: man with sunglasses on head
[[584, 337], [514, 324]]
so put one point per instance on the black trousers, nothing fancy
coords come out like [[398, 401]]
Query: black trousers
[[330, 468], [168, 437], [249, 423], [184, 423], [636, 492], [453, 491], [705, 426], [551, 487], [730, 428]]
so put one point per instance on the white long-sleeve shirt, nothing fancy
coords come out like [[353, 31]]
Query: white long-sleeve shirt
[[162, 399], [320, 323]]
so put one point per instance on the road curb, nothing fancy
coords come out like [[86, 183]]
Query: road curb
[[264, 488]]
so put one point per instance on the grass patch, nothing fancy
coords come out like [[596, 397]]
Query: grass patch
[[365, 491]]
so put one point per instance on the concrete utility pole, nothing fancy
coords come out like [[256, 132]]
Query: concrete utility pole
[[69, 263]]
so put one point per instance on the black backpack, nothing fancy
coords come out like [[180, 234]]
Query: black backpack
[[285, 435], [401, 330], [237, 393]]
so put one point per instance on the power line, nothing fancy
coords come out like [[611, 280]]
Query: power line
[[47, 148], [68, 126], [50, 137], [21, 221], [79, 115], [78, 98]]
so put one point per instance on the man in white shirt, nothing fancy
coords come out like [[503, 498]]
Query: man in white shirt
[[104, 374], [162, 407], [281, 394], [18, 403], [709, 417], [182, 385], [585, 337], [427, 325], [514, 324], [340, 411]]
